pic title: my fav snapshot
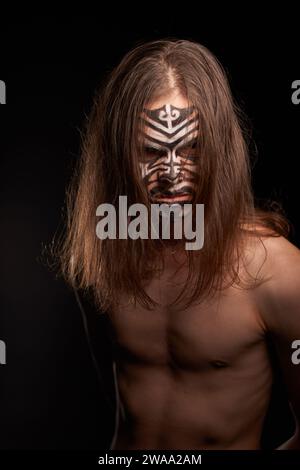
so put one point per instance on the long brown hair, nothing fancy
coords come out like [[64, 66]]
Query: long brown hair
[[108, 167]]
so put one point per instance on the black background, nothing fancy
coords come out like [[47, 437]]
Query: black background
[[49, 393]]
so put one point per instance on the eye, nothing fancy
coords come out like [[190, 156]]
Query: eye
[[189, 151], [152, 153]]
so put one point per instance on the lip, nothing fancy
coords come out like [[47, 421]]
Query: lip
[[174, 198]]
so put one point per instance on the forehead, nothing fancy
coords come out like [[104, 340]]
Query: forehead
[[169, 120]]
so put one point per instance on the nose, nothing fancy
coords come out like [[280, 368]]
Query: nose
[[169, 179], [171, 172], [168, 176]]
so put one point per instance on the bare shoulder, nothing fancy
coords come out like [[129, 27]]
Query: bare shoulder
[[274, 256], [279, 263], [282, 259]]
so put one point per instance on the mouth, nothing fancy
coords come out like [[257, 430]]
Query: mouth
[[173, 198]]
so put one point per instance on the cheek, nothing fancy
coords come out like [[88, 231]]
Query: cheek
[[146, 172], [190, 170], [193, 169], [148, 176]]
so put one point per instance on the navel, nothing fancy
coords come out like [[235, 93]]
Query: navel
[[218, 364]]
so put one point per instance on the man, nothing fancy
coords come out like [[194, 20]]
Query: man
[[190, 327]]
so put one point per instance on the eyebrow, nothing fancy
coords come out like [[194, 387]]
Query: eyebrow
[[188, 143], [153, 145]]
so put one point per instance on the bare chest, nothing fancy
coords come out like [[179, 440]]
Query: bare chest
[[223, 332]]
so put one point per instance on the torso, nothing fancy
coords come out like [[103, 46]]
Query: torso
[[198, 378]]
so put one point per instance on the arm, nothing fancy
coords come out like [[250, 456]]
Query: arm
[[280, 310]]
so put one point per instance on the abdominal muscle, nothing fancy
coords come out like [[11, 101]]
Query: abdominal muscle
[[169, 408]]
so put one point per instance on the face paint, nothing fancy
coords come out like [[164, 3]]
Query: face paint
[[168, 161]]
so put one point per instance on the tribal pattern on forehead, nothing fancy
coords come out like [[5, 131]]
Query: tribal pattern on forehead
[[165, 132], [170, 125]]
